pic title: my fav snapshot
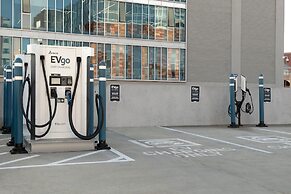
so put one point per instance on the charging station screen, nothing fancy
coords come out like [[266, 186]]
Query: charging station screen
[[55, 81]]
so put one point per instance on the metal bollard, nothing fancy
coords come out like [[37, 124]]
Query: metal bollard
[[9, 103], [17, 112], [4, 98], [102, 92], [261, 102], [232, 101], [90, 107]]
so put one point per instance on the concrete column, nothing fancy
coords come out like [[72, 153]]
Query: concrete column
[[279, 50], [236, 37]]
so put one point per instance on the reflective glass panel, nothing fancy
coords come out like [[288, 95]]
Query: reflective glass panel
[[17, 14], [38, 14], [136, 62], [59, 15], [67, 16], [51, 15], [77, 16], [86, 19], [6, 13]]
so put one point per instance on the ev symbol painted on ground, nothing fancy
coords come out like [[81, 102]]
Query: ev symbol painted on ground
[[178, 148], [272, 142]]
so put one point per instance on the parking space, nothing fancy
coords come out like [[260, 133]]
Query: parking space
[[162, 160]]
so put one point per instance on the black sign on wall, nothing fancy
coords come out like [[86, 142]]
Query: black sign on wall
[[115, 93], [267, 95], [195, 93]]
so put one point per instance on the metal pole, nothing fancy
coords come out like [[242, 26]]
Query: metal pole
[[232, 101], [4, 99], [261, 102], [18, 117], [9, 103], [102, 93], [91, 100]]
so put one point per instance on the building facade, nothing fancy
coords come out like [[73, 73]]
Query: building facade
[[157, 49]]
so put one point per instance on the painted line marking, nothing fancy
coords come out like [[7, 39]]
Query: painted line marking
[[120, 158], [272, 131], [140, 144], [8, 138], [1, 146], [121, 155], [75, 157], [218, 140], [3, 153], [18, 160]]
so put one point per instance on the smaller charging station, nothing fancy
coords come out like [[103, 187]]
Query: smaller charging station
[[53, 101], [236, 105]]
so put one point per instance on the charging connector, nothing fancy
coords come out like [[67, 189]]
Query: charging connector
[[54, 93]]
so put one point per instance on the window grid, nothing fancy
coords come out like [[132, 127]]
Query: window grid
[[41, 15]]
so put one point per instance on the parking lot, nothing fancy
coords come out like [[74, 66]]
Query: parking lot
[[160, 160]]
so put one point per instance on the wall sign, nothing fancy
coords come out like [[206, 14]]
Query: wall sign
[[195, 93], [115, 93], [267, 95]]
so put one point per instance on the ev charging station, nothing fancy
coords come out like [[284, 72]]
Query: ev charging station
[[53, 100], [235, 107]]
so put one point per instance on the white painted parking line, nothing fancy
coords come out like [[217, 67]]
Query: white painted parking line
[[18, 160], [140, 144], [272, 131], [3, 153], [217, 140], [75, 157], [121, 155], [120, 158], [2, 139]]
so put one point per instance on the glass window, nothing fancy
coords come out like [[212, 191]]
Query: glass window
[[16, 47], [171, 24], [118, 62], [86, 19], [100, 56], [51, 42], [152, 22], [111, 18], [6, 46], [122, 19], [6, 13], [17, 14], [26, 21], [145, 22], [136, 62], [77, 16], [151, 63], [161, 23], [144, 63], [128, 62], [25, 42], [38, 14], [26, 6], [164, 63], [59, 15], [93, 17], [129, 20], [157, 63], [183, 25], [108, 60], [101, 17], [182, 64], [51, 15], [173, 64], [67, 16], [177, 25], [122, 62], [93, 59], [137, 20]]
